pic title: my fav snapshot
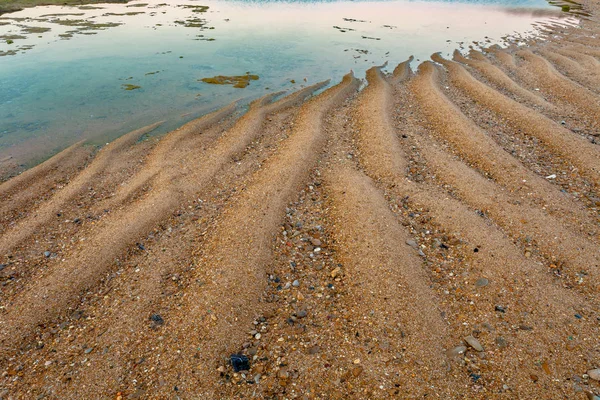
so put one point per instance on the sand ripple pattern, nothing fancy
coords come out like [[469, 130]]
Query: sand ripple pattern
[[346, 242]]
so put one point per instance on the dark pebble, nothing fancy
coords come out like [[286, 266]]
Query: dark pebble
[[501, 342], [578, 316], [239, 362], [525, 328], [157, 319], [500, 309], [301, 313]]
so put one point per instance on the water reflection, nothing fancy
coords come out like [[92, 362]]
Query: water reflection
[[94, 72]]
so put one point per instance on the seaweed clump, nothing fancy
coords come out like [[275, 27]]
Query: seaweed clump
[[239, 82], [128, 86]]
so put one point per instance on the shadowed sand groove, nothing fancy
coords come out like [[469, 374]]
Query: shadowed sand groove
[[236, 253], [498, 77], [584, 100], [463, 222], [37, 181], [572, 69], [113, 235], [375, 99], [559, 140], [393, 275], [353, 244], [479, 149], [49, 209]]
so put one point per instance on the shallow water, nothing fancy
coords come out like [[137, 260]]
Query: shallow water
[[69, 83]]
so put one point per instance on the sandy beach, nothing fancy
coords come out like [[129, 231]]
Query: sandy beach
[[435, 233]]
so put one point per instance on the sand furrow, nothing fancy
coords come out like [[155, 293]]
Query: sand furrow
[[386, 274], [46, 297], [446, 120], [48, 210], [236, 255], [376, 102], [29, 177], [504, 58], [582, 55], [496, 255], [586, 102], [557, 139], [496, 76], [148, 281], [22, 190], [521, 220], [572, 69]]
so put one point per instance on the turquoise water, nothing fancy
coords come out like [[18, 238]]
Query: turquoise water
[[62, 87]]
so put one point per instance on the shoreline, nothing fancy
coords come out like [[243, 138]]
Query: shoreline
[[10, 6], [433, 234]]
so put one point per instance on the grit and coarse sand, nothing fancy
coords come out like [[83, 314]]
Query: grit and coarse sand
[[434, 234]]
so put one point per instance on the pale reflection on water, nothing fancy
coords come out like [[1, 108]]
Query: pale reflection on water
[[66, 84]]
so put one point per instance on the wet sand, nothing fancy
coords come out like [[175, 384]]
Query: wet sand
[[433, 234]]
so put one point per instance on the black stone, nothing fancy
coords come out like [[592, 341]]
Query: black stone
[[157, 319], [239, 362]]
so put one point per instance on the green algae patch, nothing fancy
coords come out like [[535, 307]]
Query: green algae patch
[[8, 6], [131, 13], [240, 81], [83, 24], [35, 29], [90, 8], [128, 86], [193, 23], [196, 9], [137, 5], [10, 39], [62, 15]]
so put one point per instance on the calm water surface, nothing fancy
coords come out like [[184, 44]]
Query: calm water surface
[[63, 77]]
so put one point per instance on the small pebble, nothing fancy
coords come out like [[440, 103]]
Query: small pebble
[[474, 343], [296, 283], [301, 313], [594, 374], [500, 309], [47, 254], [412, 244], [481, 282], [88, 350], [501, 342], [457, 351]]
